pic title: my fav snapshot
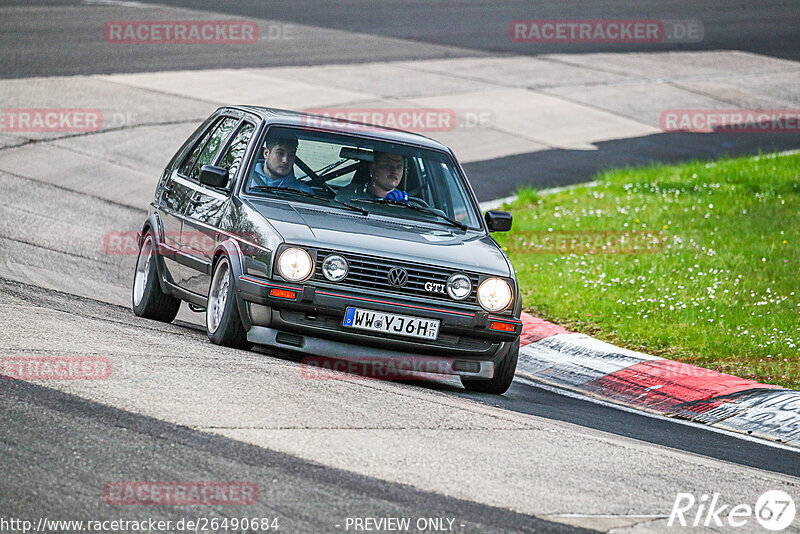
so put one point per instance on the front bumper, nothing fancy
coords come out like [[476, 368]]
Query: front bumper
[[371, 357], [313, 319]]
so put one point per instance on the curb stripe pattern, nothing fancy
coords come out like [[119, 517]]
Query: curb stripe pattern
[[552, 355], [535, 329]]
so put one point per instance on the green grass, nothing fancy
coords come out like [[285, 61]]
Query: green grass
[[720, 285]]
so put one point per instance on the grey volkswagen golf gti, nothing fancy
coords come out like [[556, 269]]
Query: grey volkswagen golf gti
[[331, 238]]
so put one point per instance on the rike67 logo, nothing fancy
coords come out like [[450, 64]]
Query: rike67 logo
[[774, 510]]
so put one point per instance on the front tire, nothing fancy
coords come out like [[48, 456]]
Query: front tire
[[223, 324], [503, 375], [147, 298]]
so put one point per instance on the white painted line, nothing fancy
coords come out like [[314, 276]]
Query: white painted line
[[495, 204], [611, 516], [118, 3], [779, 154], [589, 347]]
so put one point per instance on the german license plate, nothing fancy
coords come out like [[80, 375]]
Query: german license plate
[[390, 323]]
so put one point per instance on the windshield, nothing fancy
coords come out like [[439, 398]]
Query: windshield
[[369, 176]]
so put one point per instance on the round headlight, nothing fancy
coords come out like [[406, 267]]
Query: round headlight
[[459, 286], [334, 268], [295, 264], [494, 294]]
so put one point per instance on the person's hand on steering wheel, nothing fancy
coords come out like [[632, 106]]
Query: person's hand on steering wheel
[[397, 196]]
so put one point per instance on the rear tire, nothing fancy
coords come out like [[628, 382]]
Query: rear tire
[[147, 298], [223, 323], [503, 375]]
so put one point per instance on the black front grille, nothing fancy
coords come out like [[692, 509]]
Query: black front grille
[[373, 273]]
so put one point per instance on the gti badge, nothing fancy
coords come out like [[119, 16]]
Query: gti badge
[[433, 287]]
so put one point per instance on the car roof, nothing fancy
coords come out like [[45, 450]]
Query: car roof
[[327, 124]]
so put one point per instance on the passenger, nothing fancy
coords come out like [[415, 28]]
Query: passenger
[[276, 169], [386, 172]]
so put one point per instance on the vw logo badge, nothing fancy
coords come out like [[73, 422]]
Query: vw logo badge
[[398, 277]]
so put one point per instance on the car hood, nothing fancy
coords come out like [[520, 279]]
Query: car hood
[[333, 229]]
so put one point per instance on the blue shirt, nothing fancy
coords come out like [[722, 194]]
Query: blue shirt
[[261, 178]]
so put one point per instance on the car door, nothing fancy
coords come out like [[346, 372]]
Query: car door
[[203, 211], [209, 205], [174, 196], [187, 184]]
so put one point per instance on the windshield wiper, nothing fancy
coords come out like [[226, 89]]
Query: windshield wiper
[[423, 209], [298, 192]]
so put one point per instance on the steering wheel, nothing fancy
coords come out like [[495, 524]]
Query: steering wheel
[[325, 190], [418, 201]]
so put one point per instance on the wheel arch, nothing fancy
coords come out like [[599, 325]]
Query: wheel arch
[[153, 224], [230, 249]]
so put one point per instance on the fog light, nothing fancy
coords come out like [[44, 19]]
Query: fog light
[[335, 268], [459, 286]]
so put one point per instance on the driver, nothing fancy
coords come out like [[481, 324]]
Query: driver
[[386, 171], [277, 167]]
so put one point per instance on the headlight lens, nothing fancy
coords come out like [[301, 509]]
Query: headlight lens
[[335, 268], [459, 286], [494, 294], [295, 264]]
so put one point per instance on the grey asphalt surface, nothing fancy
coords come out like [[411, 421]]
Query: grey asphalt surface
[[763, 26], [398, 29], [66, 38], [59, 452], [179, 408]]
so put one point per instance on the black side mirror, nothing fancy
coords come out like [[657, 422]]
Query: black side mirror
[[213, 176], [498, 221]]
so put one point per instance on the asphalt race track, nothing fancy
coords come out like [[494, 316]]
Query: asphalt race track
[[436, 29], [325, 452]]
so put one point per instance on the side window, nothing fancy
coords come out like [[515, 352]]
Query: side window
[[190, 159], [232, 158], [207, 148], [457, 204]]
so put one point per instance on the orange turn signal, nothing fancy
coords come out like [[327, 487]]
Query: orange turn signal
[[282, 293], [505, 327]]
